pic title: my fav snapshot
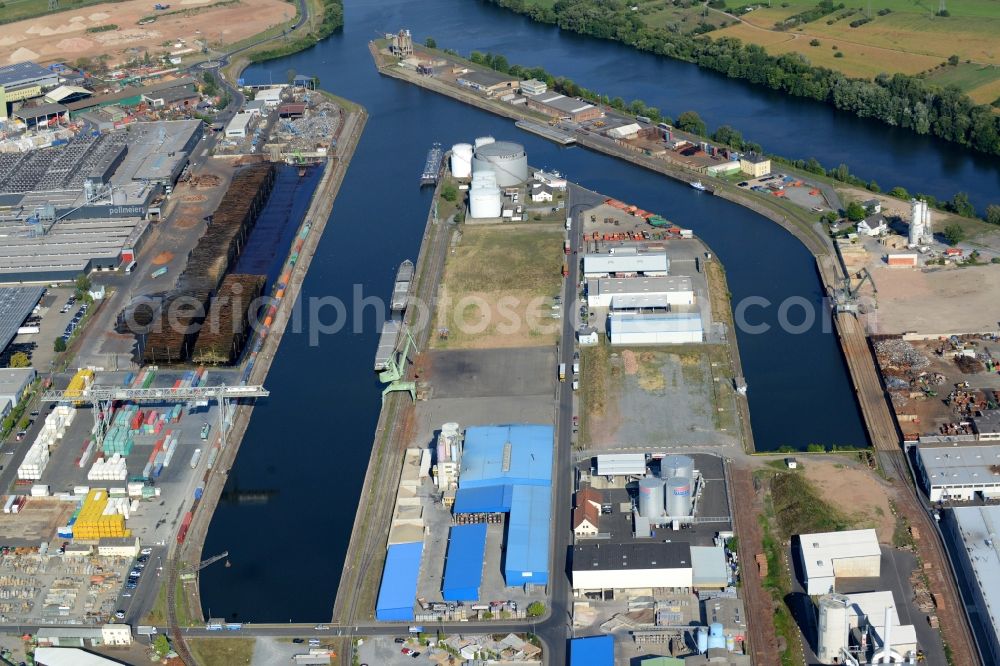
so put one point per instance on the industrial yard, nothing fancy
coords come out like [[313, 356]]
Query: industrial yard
[[122, 433]]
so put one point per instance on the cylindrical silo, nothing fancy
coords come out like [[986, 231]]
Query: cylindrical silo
[[651, 497], [831, 633], [702, 640], [461, 160], [716, 637], [678, 497], [484, 140], [504, 158], [680, 466], [485, 201]]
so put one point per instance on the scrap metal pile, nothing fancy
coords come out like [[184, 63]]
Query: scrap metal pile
[[228, 324], [176, 325], [899, 354], [314, 130]]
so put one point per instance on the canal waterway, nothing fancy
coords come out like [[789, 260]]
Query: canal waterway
[[304, 456]]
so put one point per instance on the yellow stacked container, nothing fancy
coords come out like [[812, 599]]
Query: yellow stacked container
[[82, 380], [95, 521]]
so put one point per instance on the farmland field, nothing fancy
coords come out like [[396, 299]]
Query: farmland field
[[908, 39]]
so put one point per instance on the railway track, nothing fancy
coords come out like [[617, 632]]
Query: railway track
[[390, 439], [887, 442], [763, 643]]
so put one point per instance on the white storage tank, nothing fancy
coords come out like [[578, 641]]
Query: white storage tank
[[831, 633], [484, 196], [679, 466], [461, 160], [484, 140], [506, 159], [651, 497], [678, 497]]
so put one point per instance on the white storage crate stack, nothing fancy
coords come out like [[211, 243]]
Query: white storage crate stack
[[34, 462], [118, 505], [39, 490], [53, 429], [111, 469]]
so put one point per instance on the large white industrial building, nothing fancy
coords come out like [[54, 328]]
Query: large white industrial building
[[827, 556], [973, 544], [656, 329], [624, 263], [847, 621], [674, 290], [632, 566], [959, 473]]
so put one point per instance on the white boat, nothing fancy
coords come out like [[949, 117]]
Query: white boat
[[698, 186]]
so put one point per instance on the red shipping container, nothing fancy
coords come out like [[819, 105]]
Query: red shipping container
[[185, 525]]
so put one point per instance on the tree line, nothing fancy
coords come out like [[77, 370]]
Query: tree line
[[898, 99]]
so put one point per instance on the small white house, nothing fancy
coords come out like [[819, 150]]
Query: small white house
[[541, 193], [873, 225], [587, 337]]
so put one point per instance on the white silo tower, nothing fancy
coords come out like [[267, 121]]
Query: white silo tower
[[832, 631], [483, 141], [677, 465], [679, 497], [461, 160], [651, 504], [919, 223]]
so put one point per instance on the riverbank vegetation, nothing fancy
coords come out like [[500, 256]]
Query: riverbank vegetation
[[325, 18], [898, 99]]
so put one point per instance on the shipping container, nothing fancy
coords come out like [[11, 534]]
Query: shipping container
[[183, 530]]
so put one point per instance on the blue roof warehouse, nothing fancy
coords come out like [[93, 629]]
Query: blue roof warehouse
[[399, 582], [508, 468], [463, 570]]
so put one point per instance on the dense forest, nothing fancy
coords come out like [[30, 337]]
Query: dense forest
[[899, 100]]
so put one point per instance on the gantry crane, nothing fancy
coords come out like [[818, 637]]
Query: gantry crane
[[102, 397]]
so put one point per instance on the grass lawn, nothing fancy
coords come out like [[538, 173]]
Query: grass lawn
[[966, 76], [229, 651], [600, 380], [498, 284]]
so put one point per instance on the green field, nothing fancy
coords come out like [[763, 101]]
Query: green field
[[965, 76], [16, 10]]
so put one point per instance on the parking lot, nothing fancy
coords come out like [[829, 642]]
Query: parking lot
[[791, 188]]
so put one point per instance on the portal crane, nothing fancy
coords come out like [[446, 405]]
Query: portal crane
[[102, 397], [846, 296], [395, 370]]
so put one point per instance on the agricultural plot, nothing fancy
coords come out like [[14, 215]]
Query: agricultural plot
[[908, 39]]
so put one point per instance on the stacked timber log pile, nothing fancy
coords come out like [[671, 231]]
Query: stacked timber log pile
[[228, 325], [180, 317]]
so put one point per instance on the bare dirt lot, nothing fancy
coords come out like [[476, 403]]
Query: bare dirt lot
[[37, 521], [941, 301], [857, 492], [63, 36]]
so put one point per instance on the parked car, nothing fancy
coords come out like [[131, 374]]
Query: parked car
[[120, 614]]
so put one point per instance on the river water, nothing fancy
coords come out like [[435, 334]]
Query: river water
[[309, 443]]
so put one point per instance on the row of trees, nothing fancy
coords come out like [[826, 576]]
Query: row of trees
[[898, 99]]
